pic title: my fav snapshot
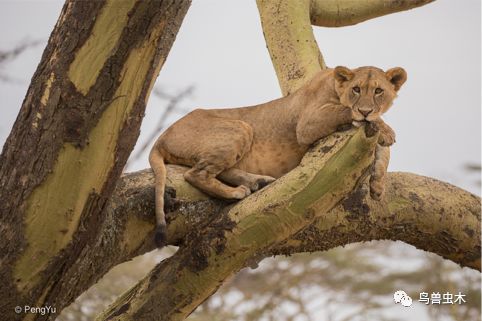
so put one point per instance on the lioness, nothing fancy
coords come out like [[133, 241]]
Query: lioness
[[249, 147]]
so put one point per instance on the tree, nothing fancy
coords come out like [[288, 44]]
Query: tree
[[67, 190], [78, 124]]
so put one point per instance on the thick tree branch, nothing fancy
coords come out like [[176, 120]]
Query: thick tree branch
[[339, 13], [429, 214], [426, 213]]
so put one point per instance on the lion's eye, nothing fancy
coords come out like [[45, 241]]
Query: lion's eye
[[356, 90], [378, 91]]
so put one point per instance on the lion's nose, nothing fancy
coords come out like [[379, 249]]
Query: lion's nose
[[365, 112]]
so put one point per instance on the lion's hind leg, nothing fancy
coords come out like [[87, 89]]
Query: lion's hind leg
[[224, 145], [204, 178], [237, 177]]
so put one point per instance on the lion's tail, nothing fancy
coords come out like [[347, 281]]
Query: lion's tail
[[157, 164]]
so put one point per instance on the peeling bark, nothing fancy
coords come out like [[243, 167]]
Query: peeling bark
[[77, 126]]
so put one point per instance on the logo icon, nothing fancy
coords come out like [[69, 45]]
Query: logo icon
[[402, 298]]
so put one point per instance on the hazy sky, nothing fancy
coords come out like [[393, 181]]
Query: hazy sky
[[221, 51]]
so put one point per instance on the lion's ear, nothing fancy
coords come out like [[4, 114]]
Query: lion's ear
[[397, 76], [343, 74]]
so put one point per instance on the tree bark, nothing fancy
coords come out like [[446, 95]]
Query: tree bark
[[77, 125], [428, 214]]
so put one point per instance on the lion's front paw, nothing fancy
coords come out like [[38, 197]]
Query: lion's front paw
[[387, 136], [240, 192]]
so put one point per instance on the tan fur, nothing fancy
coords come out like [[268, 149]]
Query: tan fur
[[379, 171], [233, 152]]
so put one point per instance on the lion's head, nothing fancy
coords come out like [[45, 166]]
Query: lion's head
[[368, 91]]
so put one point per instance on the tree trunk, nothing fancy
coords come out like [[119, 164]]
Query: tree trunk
[[77, 125]]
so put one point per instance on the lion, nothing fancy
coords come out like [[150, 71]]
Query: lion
[[236, 151]]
